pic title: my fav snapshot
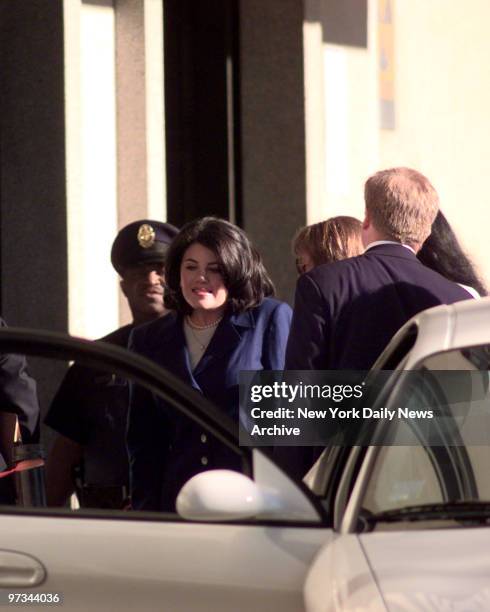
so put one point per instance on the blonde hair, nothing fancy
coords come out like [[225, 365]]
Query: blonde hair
[[331, 240], [402, 204]]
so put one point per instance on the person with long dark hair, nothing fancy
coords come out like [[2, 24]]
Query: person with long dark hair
[[443, 253], [224, 320]]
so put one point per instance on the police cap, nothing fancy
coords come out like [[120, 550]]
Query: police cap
[[141, 242]]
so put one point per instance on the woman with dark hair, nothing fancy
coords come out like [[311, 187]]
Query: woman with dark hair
[[223, 321], [442, 252], [331, 240]]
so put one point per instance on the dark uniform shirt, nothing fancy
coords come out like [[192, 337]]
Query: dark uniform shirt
[[18, 395], [90, 408]]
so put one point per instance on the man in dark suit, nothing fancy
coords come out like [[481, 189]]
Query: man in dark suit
[[346, 312]]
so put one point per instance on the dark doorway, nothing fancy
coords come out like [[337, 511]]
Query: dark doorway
[[201, 81]]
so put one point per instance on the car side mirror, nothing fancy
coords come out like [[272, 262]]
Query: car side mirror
[[217, 495]]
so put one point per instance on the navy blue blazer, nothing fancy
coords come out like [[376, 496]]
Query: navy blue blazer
[[345, 313], [165, 448]]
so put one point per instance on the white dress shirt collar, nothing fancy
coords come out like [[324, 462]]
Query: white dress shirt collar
[[378, 242]]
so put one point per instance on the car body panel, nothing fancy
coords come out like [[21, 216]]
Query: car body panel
[[136, 565], [340, 579], [431, 569], [438, 569]]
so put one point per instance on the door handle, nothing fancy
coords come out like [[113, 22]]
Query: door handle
[[20, 570]]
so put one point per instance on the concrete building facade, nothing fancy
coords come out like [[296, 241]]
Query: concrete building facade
[[270, 113]]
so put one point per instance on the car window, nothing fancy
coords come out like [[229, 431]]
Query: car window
[[85, 439], [82, 446], [402, 475], [398, 348], [445, 460]]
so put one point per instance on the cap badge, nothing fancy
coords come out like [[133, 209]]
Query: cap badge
[[146, 236]]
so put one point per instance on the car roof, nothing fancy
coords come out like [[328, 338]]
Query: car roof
[[444, 327]]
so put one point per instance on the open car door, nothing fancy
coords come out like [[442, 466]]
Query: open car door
[[223, 557]]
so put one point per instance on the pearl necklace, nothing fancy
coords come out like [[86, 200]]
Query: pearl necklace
[[194, 326], [201, 335]]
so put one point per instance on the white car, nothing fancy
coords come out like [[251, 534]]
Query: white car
[[391, 527]]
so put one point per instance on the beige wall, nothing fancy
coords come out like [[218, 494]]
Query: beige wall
[[442, 105], [91, 166], [114, 145], [442, 99], [342, 131]]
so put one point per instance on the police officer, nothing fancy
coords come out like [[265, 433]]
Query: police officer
[[89, 411]]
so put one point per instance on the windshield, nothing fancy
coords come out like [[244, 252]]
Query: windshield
[[437, 469]]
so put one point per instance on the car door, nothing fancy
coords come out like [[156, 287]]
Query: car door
[[123, 560], [415, 484]]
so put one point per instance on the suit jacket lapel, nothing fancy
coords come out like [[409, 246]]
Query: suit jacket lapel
[[174, 354], [225, 339]]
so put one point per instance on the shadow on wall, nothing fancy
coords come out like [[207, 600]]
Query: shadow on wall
[[344, 21]]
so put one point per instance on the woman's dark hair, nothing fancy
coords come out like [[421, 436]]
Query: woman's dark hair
[[443, 253], [244, 274]]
